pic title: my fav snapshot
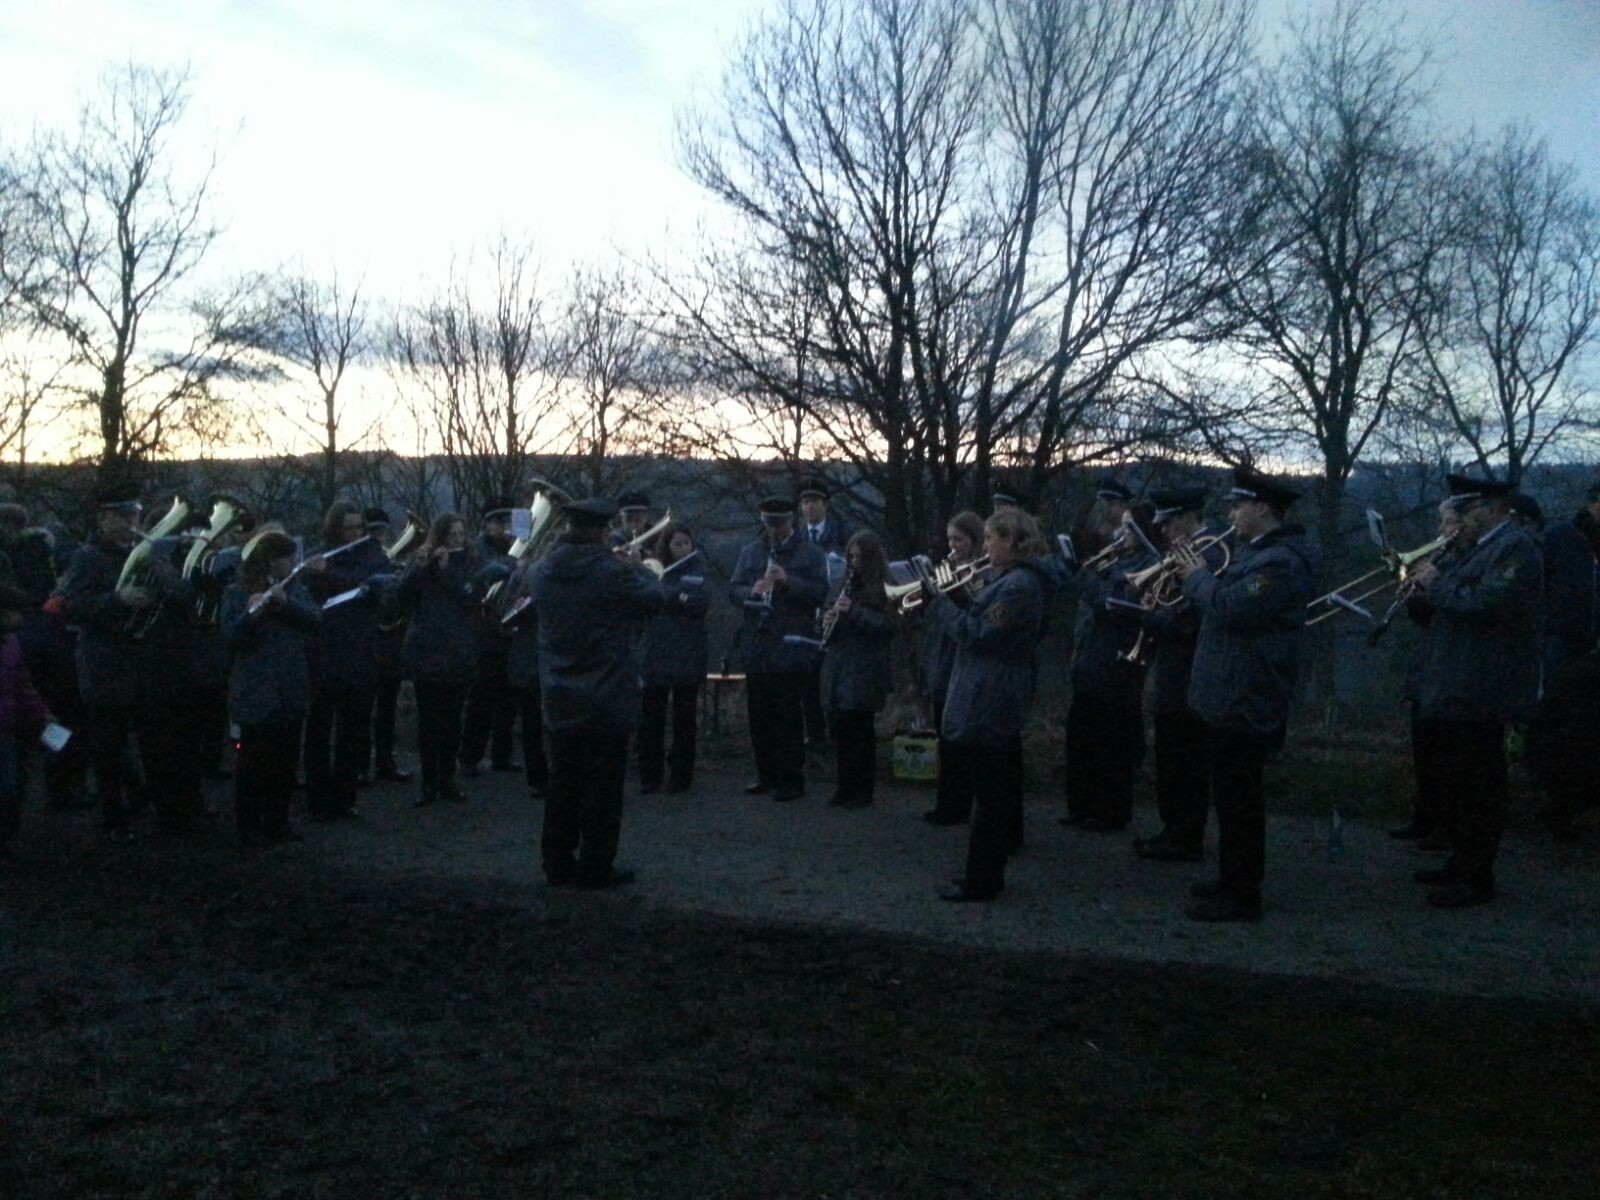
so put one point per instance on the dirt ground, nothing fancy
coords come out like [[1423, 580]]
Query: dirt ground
[[398, 1007]]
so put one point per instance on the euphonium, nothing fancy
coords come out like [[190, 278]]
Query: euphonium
[[226, 512], [137, 566]]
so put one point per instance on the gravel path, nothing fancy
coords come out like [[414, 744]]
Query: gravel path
[[1357, 918]]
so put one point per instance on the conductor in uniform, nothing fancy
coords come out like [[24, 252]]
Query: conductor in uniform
[[590, 603], [779, 583]]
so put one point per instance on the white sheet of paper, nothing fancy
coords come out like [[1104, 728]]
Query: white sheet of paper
[[55, 737]]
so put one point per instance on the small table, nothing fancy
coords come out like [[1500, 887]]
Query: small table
[[713, 695]]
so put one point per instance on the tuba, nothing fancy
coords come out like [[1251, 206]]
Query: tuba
[[137, 568]]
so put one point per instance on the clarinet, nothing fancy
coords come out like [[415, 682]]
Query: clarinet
[[830, 619]]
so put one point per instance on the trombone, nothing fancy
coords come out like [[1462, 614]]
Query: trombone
[[1398, 566]]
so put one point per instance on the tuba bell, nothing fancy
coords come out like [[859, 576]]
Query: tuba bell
[[226, 513], [138, 566]]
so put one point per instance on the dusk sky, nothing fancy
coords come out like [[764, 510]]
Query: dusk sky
[[377, 135]]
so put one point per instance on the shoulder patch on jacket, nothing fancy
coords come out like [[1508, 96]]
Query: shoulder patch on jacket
[[1255, 585], [1509, 573], [998, 615]]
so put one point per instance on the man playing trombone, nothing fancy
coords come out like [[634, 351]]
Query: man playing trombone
[[1478, 672]]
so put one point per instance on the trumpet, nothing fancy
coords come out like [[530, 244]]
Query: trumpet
[[1398, 566], [1154, 583], [946, 578]]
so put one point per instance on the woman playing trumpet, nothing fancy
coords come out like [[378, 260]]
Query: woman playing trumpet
[[953, 803]]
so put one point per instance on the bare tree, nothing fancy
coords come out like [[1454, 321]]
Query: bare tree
[[320, 330], [477, 360], [122, 236], [1518, 306], [961, 224], [1325, 303], [617, 377]]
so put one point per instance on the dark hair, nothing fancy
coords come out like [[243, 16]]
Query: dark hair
[[439, 534], [255, 572], [663, 544], [873, 571], [1020, 529], [333, 523], [970, 524], [14, 599], [13, 516]]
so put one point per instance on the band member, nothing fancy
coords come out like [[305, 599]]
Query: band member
[[23, 712], [1481, 673], [1571, 624], [590, 602], [132, 668], [1251, 616], [672, 663], [779, 582], [1113, 498], [991, 690], [269, 622], [1426, 826], [386, 651], [491, 718], [1182, 755], [346, 675], [633, 518], [1105, 724], [830, 535], [442, 595], [209, 682], [522, 677], [1007, 495], [858, 633], [953, 804]]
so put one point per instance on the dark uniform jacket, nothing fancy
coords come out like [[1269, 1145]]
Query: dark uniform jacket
[[1251, 617], [114, 667], [1572, 606], [855, 666], [1106, 633], [28, 556], [1176, 629], [269, 681], [522, 655], [347, 643], [441, 643], [590, 604], [1481, 651], [996, 637], [793, 611], [673, 650]]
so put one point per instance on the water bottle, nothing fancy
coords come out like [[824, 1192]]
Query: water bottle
[[1336, 836]]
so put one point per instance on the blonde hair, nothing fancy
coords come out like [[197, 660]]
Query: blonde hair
[[1018, 528]]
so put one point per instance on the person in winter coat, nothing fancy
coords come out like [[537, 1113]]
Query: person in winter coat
[[779, 583], [858, 632], [269, 627], [23, 713], [1479, 674], [338, 728], [953, 801], [672, 663], [522, 675], [441, 592], [1105, 724], [590, 602], [991, 689], [1252, 614], [489, 723]]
